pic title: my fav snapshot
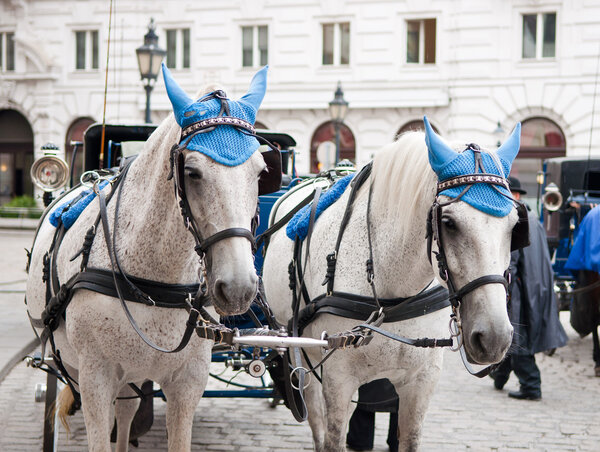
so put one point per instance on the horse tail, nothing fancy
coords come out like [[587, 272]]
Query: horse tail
[[63, 407]]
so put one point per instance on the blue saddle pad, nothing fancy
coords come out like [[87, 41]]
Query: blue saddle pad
[[69, 211], [298, 225]]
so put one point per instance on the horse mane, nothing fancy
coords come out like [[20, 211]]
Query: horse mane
[[403, 180]]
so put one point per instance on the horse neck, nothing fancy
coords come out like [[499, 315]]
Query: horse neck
[[151, 226], [399, 241]]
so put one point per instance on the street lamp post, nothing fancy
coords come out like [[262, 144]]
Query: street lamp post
[[149, 58], [498, 134], [338, 108]]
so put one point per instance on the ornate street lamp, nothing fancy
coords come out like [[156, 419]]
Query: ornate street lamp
[[338, 108], [498, 134], [149, 58]]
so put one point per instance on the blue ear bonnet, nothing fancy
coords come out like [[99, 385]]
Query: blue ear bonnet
[[448, 163], [224, 144], [483, 197]]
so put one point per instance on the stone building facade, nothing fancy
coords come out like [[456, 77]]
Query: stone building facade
[[474, 67]]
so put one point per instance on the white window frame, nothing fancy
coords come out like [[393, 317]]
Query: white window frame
[[255, 45], [88, 54], [337, 43], [421, 57], [179, 49], [539, 35], [4, 51]]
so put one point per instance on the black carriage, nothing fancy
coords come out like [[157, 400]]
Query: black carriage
[[571, 190]]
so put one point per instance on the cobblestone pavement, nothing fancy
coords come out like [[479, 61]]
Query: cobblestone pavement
[[466, 414]]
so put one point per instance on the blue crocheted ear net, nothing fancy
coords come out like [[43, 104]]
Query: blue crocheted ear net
[[224, 144], [483, 197]]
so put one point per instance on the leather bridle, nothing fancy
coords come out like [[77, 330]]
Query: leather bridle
[[177, 160], [520, 237]]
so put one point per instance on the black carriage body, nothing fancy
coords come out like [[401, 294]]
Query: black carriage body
[[578, 180], [96, 156]]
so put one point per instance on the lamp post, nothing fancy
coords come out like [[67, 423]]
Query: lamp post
[[149, 58], [338, 108], [499, 134]]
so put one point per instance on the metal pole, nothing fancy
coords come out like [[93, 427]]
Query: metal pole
[[148, 89], [337, 142]]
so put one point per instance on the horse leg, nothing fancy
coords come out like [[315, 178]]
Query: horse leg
[[316, 417], [183, 396], [98, 385], [414, 400], [596, 353], [338, 389], [125, 410]]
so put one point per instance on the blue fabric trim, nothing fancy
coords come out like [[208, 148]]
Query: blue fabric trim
[[298, 225], [585, 254], [225, 144], [69, 214], [483, 197]]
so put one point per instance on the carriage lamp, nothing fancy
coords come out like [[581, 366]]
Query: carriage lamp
[[498, 134], [338, 108], [49, 172], [149, 57]]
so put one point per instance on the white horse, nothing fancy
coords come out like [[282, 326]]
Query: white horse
[[97, 344], [475, 244]]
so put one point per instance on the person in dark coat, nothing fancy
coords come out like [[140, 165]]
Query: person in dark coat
[[375, 396], [532, 309]]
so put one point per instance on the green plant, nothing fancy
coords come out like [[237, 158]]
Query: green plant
[[21, 201]]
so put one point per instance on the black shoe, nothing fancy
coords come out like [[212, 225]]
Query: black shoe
[[524, 395]]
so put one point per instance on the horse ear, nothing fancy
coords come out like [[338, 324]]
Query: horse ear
[[439, 152], [258, 88], [179, 99], [510, 148]]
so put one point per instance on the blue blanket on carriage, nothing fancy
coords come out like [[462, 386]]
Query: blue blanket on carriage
[[585, 254], [69, 211], [298, 225]]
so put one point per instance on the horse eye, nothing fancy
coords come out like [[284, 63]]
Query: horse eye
[[449, 224], [192, 173]]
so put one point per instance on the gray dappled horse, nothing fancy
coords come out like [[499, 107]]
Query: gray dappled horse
[[476, 232], [217, 171]]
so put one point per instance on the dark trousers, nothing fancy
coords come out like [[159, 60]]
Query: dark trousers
[[525, 369], [361, 430]]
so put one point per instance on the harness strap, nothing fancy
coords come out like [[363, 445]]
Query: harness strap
[[197, 301], [356, 183], [359, 307]]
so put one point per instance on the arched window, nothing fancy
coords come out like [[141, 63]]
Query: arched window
[[541, 138], [75, 133], [415, 125], [326, 132]]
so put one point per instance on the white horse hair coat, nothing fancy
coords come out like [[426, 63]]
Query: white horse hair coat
[[99, 347], [476, 244]]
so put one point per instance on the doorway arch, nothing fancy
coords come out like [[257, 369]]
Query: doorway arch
[[16, 155]]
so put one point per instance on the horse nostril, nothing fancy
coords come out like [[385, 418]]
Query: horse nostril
[[220, 288], [477, 341]]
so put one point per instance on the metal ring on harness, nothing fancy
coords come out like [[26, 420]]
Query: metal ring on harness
[[306, 383]]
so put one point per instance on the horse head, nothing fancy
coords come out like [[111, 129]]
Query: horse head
[[217, 167], [472, 223]]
